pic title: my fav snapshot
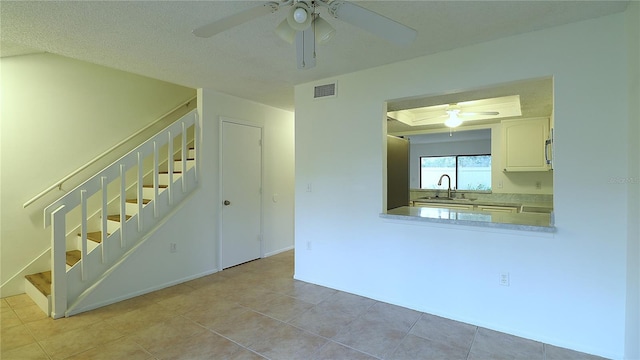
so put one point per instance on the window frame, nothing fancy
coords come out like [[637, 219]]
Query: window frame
[[456, 169]]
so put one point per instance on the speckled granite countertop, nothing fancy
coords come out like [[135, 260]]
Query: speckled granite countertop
[[538, 205], [538, 222]]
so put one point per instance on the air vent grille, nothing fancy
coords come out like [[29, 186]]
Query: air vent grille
[[323, 91]]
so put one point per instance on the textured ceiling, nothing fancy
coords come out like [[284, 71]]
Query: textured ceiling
[[153, 38]]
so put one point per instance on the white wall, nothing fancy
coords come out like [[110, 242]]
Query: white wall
[[633, 247], [567, 288], [57, 114]]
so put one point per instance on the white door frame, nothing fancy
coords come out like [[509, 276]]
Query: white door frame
[[259, 125]]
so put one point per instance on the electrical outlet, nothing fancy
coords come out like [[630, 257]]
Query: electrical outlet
[[308, 245], [504, 279], [309, 188], [173, 247], [538, 185], [500, 184]]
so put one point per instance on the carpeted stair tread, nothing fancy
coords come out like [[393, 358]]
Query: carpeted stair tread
[[73, 257], [42, 282], [116, 217], [159, 186]]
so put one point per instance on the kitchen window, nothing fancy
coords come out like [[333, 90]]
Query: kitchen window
[[467, 172]]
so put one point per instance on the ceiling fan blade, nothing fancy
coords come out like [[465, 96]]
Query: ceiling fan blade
[[480, 113], [373, 22], [430, 118], [305, 49], [242, 17]]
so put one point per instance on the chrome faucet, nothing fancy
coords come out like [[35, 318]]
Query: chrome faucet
[[449, 187]]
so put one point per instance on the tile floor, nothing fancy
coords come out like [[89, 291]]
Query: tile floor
[[254, 311]]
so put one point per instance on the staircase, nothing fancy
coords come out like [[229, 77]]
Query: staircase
[[98, 224]]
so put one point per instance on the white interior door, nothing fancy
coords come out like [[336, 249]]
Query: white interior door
[[241, 231]]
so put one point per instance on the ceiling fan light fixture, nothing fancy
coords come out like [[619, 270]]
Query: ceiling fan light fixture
[[453, 120], [298, 17], [285, 32], [323, 30]]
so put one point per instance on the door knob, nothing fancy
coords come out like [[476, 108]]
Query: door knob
[[227, 202]]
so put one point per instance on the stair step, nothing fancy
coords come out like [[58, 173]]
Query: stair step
[[73, 257], [159, 186], [135, 201], [117, 217], [95, 236], [167, 173], [42, 282]]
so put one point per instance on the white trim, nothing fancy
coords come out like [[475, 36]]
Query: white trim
[[278, 251]]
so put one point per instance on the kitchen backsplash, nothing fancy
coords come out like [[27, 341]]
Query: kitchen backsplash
[[493, 197]]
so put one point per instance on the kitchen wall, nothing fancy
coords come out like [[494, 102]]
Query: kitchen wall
[[57, 114], [569, 288]]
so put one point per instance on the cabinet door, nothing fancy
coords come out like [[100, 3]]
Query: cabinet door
[[524, 144], [493, 208]]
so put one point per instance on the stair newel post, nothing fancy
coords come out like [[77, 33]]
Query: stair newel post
[[105, 214], [183, 159], [83, 233], [156, 168], [170, 166], [123, 203], [139, 192], [58, 263]]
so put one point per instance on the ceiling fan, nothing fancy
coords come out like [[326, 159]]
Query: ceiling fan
[[304, 24], [455, 115]]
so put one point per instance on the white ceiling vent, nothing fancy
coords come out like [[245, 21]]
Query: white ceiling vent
[[325, 91]]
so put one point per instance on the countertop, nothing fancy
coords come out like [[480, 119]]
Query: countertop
[[544, 207], [539, 222]]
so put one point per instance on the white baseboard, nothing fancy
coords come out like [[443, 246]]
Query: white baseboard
[[279, 251]]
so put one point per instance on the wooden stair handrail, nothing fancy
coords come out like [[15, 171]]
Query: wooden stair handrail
[[59, 183]]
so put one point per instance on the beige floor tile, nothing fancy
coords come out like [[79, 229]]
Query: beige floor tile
[[120, 308], [348, 303], [245, 354], [19, 301], [283, 307], [333, 351], [47, 327], [15, 337], [28, 352], [252, 298], [135, 320], [161, 337], [323, 321], [287, 342], [445, 331], [203, 346], [8, 319], [79, 340], [371, 337], [4, 304], [558, 353], [310, 293], [184, 303], [246, 328], [414, 347], [395, 317], [496, 345], [30, 313], [121, 348], [217, 312]]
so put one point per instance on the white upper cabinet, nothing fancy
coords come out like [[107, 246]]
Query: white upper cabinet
[[524, 144]]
